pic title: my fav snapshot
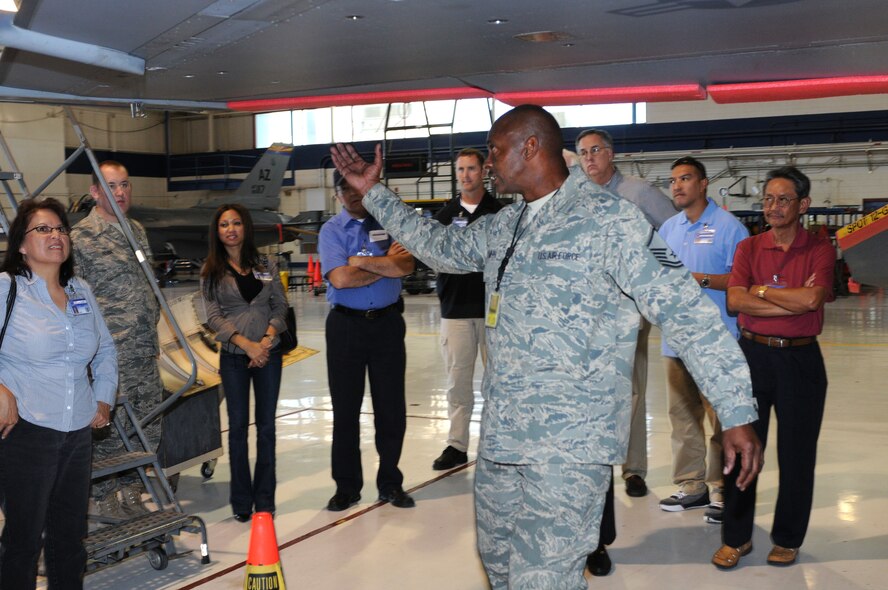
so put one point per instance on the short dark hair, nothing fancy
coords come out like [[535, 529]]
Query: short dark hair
[[339, 181], [690, 161], [604, 135], [15, 263], [108, 163], [472, 152], [801, 182]]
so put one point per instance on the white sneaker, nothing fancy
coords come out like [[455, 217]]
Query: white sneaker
[[681, 501]]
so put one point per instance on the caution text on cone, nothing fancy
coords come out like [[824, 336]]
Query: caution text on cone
[[263, 562]]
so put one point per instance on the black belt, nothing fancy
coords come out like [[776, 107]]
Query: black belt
[[777, 341], [370, 314]]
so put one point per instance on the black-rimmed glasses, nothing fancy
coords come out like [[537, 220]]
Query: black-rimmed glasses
[[48, 229]]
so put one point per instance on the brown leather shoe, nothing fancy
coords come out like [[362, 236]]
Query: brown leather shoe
[[728, 557], [782, 555]]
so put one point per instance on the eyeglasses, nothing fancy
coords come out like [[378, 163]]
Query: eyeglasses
[[595, 149], [47, 229], [781, 201]]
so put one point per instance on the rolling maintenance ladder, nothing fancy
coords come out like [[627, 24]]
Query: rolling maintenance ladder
[[152, 532]]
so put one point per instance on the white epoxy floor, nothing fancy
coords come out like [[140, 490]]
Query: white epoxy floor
[[431, 547]]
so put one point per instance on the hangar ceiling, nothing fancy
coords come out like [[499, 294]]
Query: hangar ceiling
[[227, 50]]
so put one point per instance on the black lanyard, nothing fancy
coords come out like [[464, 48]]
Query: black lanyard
[[511, 249]]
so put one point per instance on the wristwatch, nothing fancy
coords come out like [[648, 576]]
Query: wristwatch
[[704, 282], [761, 291]]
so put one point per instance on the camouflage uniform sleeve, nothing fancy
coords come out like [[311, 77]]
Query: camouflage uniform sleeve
[[81, 260], [449, 248], [142, 237], [646, 269]]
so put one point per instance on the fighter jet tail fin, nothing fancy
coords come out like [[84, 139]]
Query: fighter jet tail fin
[[262, 188]]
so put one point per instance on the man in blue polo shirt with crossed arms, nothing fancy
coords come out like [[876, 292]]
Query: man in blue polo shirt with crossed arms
[[365, 337]]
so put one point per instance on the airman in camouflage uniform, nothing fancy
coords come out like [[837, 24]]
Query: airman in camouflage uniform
[[557, 386], [104, 257]]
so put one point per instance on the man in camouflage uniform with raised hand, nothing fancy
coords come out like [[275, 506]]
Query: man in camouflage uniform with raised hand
[[560, 269], [104, 257]]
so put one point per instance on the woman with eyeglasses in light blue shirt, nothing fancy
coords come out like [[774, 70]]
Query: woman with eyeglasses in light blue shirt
[[58, 380]]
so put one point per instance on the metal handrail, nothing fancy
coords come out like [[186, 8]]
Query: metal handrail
[[146, 268]]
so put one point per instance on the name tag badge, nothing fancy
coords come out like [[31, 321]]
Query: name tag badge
[[80, 306], [265, 277], [493, 305], [705, 236], [460, 221], [378, 235]]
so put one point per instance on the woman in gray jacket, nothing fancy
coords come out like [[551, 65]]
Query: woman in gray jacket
[[246, 307]]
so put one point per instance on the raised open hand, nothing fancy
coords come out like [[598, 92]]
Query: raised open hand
[[358, 172]]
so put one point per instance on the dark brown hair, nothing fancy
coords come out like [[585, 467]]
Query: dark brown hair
[[217, 259], [14, 263]]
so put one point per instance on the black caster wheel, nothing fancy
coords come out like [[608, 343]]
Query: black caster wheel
[[208, 468], [158, 558]]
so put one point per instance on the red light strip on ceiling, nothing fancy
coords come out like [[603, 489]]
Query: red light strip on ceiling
[[720, 93], [605, 95], [357, 98], [798, 89]]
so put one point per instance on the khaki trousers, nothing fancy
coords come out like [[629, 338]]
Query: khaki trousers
[[687, 409], [461, 341], [636, 457]]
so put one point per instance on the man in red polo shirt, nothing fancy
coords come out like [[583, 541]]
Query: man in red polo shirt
[[779, 283]]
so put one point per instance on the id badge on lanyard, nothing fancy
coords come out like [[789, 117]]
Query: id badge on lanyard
[[492, 316], [79, 305]]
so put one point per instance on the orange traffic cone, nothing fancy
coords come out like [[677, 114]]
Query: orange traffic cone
[[263, 562], [311, 265], [318, 281]]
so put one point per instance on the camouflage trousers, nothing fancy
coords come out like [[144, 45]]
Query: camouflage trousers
[[537, 523], [139, 380]]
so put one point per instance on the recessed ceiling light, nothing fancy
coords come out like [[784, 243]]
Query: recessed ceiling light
[[567, 44], [221, 73], [275, 82], [188, 76], [156, 68], [354, 17], [497, 21]]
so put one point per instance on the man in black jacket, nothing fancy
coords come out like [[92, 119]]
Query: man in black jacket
[[462, 310]]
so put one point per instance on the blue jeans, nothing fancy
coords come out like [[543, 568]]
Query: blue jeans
[[44, 474], [245, 495]]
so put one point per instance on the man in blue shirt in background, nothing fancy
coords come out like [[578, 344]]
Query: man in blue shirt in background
[[704, 237], [365, 336]]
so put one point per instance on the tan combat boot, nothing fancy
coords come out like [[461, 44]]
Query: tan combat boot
[[132, 500]]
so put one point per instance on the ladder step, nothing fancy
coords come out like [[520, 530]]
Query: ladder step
[[122, 462], [132, 532]]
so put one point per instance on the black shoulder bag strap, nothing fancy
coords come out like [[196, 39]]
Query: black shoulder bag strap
[[10, 301]]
